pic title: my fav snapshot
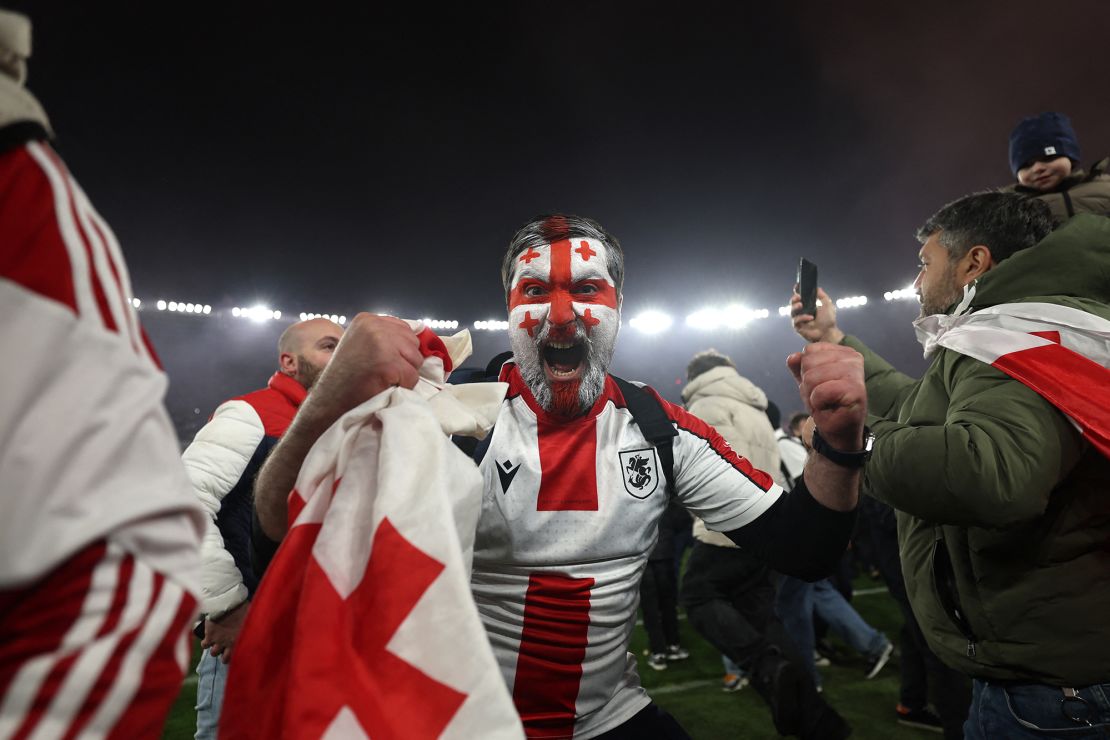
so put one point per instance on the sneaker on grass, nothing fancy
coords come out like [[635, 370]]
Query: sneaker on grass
[[677, 652], [876, 663], [734, 682], [658, 661], [923, 719]]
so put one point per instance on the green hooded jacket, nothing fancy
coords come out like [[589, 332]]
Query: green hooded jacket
[[1003, 508]]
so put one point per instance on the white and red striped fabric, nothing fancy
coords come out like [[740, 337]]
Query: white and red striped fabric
[[96, 649], [364, 625], [99, 533], [1060, 352]]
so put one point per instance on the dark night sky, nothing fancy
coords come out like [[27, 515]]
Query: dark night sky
[[381, 159]]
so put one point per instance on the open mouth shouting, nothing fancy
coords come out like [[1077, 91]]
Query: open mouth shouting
[[564, 360]]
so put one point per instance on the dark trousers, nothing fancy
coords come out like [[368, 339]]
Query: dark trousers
[[729, 599], [659, 602], [920, 667], [650, 723]]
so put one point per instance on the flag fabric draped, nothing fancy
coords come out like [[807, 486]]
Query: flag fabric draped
[[364, 626], [1060, 352]]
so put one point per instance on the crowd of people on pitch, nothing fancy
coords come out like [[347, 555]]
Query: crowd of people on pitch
[[979, 489]]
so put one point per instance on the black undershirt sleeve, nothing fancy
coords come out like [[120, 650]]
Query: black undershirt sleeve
[[797, 535]]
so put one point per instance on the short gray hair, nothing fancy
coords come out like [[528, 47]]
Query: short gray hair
[[1003, 222], [547, 229]]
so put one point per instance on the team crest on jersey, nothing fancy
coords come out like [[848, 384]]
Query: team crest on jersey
[[640, 472]]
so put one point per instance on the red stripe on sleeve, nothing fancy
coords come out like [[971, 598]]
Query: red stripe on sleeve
[[552, 647], [692, 424], [32, 251], [94, 279]]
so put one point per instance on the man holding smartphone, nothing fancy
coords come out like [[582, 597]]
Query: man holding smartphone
[[996, 460]]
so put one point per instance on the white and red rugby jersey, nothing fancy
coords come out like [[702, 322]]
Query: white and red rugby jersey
[[569, 515]]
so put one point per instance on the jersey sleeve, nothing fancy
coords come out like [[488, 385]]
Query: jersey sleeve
[[713, 482]]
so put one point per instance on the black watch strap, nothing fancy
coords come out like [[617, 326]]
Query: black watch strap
[[855, 459]]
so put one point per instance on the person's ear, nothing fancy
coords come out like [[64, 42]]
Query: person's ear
[[287, 363], [976, 262]]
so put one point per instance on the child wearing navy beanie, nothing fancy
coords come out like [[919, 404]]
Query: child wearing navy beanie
[[1044, 157]]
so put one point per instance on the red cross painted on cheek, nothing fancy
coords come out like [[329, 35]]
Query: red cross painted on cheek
[[589, 321], [585, 251], [530, 255], [529, 323]]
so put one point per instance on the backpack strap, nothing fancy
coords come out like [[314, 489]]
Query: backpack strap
[[654, 424]]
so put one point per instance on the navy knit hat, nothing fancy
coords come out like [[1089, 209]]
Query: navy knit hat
[[1047, 135]]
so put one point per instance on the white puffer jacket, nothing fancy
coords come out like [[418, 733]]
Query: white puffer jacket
[[737, 409]]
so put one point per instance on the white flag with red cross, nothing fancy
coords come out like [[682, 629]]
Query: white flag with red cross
[[1060, 352], [364, 625]]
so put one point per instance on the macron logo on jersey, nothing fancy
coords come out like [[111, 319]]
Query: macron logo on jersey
[[506, 471]]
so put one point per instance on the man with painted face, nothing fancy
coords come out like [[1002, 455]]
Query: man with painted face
[[574, 491]]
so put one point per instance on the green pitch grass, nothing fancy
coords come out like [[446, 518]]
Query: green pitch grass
[[691, 689]]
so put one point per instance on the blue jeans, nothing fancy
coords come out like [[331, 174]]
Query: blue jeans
[[1030, 710], [211, 681], [796, 603]]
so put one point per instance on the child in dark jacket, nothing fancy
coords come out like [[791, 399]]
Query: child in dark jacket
[[1044, 157]]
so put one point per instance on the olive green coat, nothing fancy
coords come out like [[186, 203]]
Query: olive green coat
[[1003, 509]]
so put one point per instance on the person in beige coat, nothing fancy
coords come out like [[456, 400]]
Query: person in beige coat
[[727, 592]]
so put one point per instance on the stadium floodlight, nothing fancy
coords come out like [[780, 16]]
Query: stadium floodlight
[[207, 309], [277, 314], [173, 305], [901, 294], [853, 301], [492, 325], [136, 302], [342, 320], [784, 310], [161, 305], [236, 311], [189, 307], [651, 322], [706, 319]]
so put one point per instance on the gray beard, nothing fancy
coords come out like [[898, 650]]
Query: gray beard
[[526, 353]]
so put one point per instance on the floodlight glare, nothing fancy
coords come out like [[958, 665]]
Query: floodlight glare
[[707, 319], [161, 305], [207, 309], [651, 322]]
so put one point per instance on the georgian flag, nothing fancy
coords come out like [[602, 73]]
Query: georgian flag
[[364, 626], [1062, 353]]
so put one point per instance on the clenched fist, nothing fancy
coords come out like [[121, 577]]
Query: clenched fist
[[830, 381]]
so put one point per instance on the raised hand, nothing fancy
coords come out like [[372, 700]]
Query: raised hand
[[830, 382], [819, 328], [375, 353]]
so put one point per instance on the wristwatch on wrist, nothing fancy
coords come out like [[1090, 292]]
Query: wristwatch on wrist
[[855, 459]]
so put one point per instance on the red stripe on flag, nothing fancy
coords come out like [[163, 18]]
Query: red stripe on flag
[[1075, 385], [32, 252], [568, 466], [300, 685], [552, 648], [1052, 336], [161, 682]]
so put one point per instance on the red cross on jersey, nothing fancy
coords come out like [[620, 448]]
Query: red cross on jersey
[[569, 517]]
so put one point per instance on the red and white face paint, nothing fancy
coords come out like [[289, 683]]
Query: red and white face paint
[[564, 315]]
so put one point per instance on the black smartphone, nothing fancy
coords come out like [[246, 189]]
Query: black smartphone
[[807, 286]]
